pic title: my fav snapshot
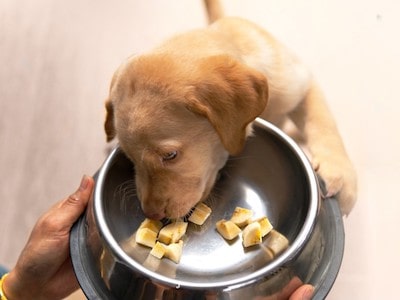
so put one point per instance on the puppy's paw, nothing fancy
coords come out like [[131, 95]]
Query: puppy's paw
[[340, 180]]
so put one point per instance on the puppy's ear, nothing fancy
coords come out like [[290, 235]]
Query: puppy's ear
[[231, 95], [109, 126]]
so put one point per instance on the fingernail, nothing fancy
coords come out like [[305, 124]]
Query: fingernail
[[84, 183], [308, 293]]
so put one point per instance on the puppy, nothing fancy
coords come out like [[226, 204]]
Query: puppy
[[180, 110]]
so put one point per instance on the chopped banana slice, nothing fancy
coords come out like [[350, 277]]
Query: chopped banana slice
[[158, 250], [265, 224], [241, 216], [172, 233], [227, 229], [169, 242], [200, 214], [174, 251], [153, 225], [146, 237], [252, 234], [276, 242]]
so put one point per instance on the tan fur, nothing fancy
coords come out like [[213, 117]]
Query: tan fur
[[196, 94]]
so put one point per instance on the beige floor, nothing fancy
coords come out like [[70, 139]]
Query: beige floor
[[57, 58]]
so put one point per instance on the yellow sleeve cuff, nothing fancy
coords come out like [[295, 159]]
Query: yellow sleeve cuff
[[2, 296]]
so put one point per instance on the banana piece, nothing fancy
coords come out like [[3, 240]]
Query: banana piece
[[174, 251], [241, 216], [227, 229], [147, 233], [153, 225], [146, 237], [200, 214], [252, 234], [158, 250], [265, 224], [276, 242], [172, 233]]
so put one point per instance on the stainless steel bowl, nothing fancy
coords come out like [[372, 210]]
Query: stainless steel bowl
[[272, 177]]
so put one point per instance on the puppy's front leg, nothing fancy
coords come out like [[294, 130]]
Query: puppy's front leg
[[329, 157]]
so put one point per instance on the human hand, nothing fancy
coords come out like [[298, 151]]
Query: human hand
[[44, 268]]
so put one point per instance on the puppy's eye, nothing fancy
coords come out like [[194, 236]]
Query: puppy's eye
[[170, 155]]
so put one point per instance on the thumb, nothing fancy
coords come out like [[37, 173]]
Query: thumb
[[73, 206]]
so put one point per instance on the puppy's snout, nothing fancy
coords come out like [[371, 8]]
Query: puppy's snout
[[153, 211], [155, 216], [153, 208]]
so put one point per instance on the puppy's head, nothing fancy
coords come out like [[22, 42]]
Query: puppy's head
[[178, 122]]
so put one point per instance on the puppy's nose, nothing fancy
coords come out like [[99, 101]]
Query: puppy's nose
[[155, 216]]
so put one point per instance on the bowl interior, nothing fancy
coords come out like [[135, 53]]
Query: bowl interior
[[271, 177]]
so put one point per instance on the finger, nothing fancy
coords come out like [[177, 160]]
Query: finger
[[305, 292]]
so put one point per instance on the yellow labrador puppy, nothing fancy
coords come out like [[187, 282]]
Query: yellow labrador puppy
[[180, 110]]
